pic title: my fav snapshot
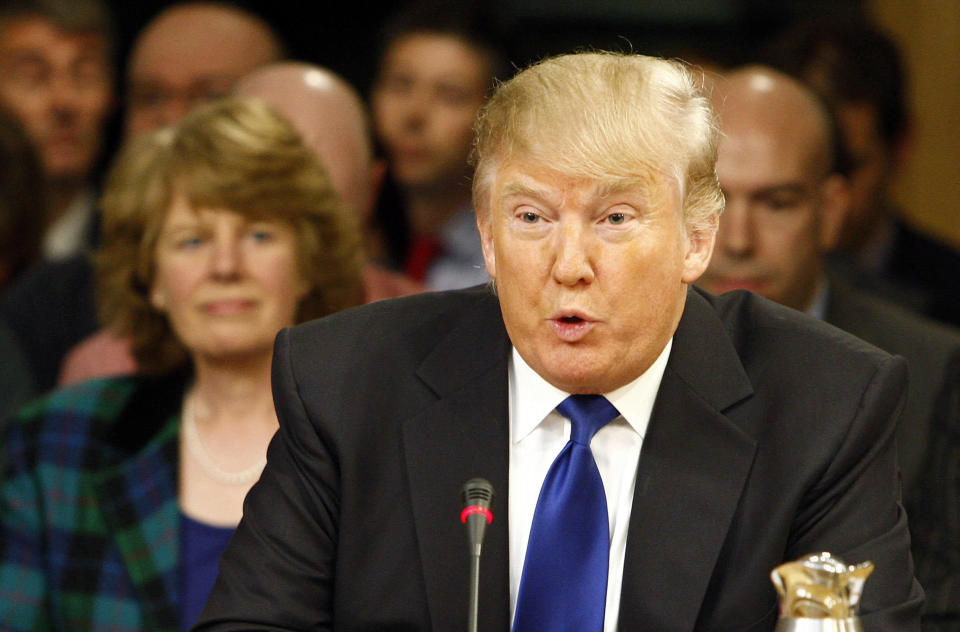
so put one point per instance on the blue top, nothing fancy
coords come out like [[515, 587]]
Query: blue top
[[200, 548]]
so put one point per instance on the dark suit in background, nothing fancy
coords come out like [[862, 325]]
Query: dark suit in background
[[50, 308], [771, 438], [935, 515], [932, 352]]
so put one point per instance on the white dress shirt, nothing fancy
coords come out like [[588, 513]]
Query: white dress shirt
[[538, 433], [68, 234]]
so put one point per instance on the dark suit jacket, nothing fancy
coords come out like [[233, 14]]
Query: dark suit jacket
[[932, 352], [16, 384], [50, 308], [917, 272], [771, 438]]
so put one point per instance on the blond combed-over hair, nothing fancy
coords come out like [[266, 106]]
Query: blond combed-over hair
[[235, 154], [619, 119]]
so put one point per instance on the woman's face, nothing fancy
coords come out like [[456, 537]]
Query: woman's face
[[226, 283]]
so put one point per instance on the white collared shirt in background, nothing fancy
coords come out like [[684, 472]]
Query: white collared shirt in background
[[68, 234], [538, 433]]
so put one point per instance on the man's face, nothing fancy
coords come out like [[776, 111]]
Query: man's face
[[424, 103], [58, 85], [871, 169], [192, 56], [770, 234], [591, 280]]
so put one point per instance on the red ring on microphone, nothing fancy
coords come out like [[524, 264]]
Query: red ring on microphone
[[476, 509]]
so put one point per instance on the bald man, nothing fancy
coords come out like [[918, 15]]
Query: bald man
[[330, 117], [332, 120], [190, 53], [784, 200]]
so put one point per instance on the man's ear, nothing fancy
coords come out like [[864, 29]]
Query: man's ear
[[700, 242], [903, 148], [484, 226], [834, 206]]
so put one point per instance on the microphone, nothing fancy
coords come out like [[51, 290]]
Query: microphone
[[477, 494]]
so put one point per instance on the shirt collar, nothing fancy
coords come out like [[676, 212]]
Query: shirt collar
[[532, 398], [68, 234], [818, 304]]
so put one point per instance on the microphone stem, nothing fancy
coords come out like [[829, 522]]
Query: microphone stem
[[474, 591]]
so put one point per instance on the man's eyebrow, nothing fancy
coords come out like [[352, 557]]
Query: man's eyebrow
[[522, 188], [786, 187]]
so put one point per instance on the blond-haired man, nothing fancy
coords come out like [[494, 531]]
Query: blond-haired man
[[711, 462]]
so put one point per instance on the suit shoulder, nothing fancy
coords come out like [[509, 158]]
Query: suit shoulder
[[67, 420], [89, 399], [122, 412], [760, 326], [395, 321], [890, 326]]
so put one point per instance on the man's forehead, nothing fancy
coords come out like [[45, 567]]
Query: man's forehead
[[36, 32], [534, 180], [202, 41]]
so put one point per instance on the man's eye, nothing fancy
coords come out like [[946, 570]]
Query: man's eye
[[616, 218], [261, 235], [781, 203], [529, 217]]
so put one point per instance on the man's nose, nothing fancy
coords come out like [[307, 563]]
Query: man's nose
[[736, 232], [416, 106], [572, 264], [64, 95]]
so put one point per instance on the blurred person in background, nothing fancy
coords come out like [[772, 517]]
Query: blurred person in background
[[56, 78], [331, 120], [435, 72], [217, 233], [21, 226], [858, 70], [188, 53], [21, 221], [785, 197]]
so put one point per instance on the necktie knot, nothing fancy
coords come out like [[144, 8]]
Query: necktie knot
[[587, 415]]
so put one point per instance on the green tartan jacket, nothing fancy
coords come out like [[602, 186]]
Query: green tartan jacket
[[88, 508]]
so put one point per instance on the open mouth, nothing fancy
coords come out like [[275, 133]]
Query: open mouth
[[572, 328]]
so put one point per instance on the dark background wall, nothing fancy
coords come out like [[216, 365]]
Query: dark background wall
[[346, 35]]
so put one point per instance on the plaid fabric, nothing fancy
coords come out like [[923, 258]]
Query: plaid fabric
[[88, 509]]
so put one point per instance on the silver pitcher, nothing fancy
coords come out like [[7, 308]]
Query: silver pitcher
[[819, 593]]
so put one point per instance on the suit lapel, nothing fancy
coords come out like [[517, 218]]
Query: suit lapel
[[137, 497], [693, 466], [463, 435]]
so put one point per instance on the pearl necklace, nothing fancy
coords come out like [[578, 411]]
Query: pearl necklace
[[191, 439]]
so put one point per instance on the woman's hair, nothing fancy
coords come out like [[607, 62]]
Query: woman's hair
[[22, 208], [236, 154], [615, 118]]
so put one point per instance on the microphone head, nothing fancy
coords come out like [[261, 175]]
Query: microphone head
[[477, 494], [477, 491]]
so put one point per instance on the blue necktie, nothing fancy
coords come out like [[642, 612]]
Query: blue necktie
[[564, 581]]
